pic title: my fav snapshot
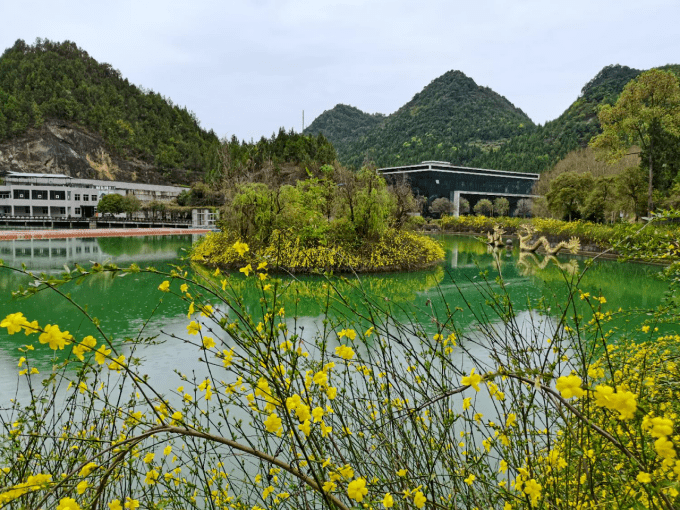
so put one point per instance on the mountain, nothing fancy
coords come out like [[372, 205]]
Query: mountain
[[455, 120], [56, 88], [451, 119], [344, 123]]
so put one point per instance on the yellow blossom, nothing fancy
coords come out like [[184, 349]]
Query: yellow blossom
[[473, 380], [469, 480], [419, 500], [165, 286], [357, 489], [246, 270], [643, 477], [68, 503], [345, 352], [54, 337], [193, 328], [102, 354], [241, 248], [115, 504], [570, 386], [388, 501], [208, 343]]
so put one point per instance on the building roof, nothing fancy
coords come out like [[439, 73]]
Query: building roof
[[443, 166]]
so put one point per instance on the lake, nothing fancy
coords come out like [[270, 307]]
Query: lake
[[132, 306]]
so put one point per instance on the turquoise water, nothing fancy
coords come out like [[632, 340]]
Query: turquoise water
[[132, 306]]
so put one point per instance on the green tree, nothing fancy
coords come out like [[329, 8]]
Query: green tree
[[631, 190], [501, 206], [648, 103], [483, 207], [130, 204], [567, 194], [599, 203], [441, 206], [110, 204]]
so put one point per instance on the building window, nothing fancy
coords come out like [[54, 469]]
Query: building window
[[57, 195], [85, 197], [4, 195], [94, 198], [21, 194], [62, 211], [77, 196], [39, 194], [68, 194], [77, 211]]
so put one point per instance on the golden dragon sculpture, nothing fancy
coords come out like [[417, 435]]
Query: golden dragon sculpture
[[527, 231]]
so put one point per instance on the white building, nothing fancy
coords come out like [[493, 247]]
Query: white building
[[60, 196]]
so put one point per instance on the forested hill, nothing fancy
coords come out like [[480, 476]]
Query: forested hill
[[455, 120], [51, 81], [451, 119], [343, 124]]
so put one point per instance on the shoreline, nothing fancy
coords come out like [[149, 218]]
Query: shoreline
[[94, 233]]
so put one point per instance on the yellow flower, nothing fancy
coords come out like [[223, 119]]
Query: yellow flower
[[54, 337], [273, 424], [87, 344], [165, 286], [267, 491], [101, 354], [643, 477], [82, 486], [115, 504], [645, 329], [131, 503], [510, 420], [388, 501], [473, 380], [262, 265], [570, 386], [665, 449], [149, 457], [167, 450], [68, 503], [320, 378], [661, 427], [85, 471], [151, 478], [14, 323], [357, 489], [503, 466], [329, 486], [193, 328], [345, 352], [241, 248], [466, 403], [533, 489], [184, 288], [208, 342], [331, 392], [402, 472], [624, 403], [349, 333], [317, 414], [305, 427], [246, 270], [469, 480], [419, 500]]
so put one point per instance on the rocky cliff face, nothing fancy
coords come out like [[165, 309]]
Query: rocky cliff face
[[58, 147]]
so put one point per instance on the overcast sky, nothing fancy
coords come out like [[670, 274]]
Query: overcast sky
[[248, 67]]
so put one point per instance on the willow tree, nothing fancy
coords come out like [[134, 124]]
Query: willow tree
[[648, 103]]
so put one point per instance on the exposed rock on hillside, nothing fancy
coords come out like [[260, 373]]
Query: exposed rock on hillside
[[59, 147]]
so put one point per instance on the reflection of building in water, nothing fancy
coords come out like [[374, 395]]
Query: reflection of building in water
[[53, 254]]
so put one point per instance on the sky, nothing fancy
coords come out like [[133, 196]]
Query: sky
[[248, 67]]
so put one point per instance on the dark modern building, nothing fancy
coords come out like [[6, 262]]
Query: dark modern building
[[435, 179]]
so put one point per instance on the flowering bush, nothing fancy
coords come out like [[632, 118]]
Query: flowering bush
[[394, 250], [558, 412]]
